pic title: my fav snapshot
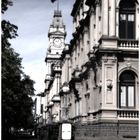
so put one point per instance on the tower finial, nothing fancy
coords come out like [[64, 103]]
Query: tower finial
[[57, 5]]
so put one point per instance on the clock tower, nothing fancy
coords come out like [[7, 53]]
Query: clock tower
[[56, 36]]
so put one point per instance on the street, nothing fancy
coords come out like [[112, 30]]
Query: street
[[27, 138]]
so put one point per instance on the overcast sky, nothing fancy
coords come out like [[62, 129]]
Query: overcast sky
[[33, 18]]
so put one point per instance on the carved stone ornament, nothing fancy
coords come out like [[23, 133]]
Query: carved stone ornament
[[109, 85], [114, 59], [105, 59], [129, 65]]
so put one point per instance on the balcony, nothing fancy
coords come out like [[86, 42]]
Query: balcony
[[128, 114], [119, 114], [128, 44]]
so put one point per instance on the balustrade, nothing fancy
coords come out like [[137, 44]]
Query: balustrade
[[126, 43], [128, 114]]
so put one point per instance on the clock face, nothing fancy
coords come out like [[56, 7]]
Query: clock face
[[57, 42]]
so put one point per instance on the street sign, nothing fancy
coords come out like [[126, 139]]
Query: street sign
[[66, 131]]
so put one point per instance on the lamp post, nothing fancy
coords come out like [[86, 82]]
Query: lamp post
[[65, 90], [66, 126]]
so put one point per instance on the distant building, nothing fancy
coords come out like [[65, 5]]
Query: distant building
[[56, 37], [93, 81]]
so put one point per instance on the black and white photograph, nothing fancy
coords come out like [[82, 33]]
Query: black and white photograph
[[69, 69]]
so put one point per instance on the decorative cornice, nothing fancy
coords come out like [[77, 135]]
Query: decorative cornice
[[93, 2], [118, 52], [75, 7], [90, 2], [51, 58]]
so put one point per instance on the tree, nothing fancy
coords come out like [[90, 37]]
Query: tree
[[5, 4], [17, 87]]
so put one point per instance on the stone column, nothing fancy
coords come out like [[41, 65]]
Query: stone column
[[91, 28], [86, 47], [80, 53], [137, 22], [68, 66], [104, 17], [57, 84], [97, 23], [92, 99], [117, 22], [80, 109], [112, 17], [73, 59], [70, 69], [66, 69], [83, 101]]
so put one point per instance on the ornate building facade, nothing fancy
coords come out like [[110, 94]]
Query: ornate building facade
[[100, 70], [94, 82]]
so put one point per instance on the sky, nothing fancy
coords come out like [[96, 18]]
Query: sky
[[33, 18]]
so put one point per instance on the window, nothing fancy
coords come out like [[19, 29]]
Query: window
[[127, 90], [41, 109], [127, 19]]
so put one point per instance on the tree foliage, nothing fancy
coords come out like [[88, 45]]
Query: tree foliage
[[5, 4], [16, 86]]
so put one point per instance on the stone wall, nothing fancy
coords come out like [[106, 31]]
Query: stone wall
[[49, 132], [106, 131]]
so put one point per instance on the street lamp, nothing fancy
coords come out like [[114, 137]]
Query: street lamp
[[66, 126], [65, 90]]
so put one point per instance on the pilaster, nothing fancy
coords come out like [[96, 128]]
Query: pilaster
[[85, 44], [80, 55], [109, 82], [112, 17], [97, 22], [105, 17], [91, 28], [117, 22]]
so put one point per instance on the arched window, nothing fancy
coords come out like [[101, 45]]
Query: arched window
[[127, 90], [127, 19]]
